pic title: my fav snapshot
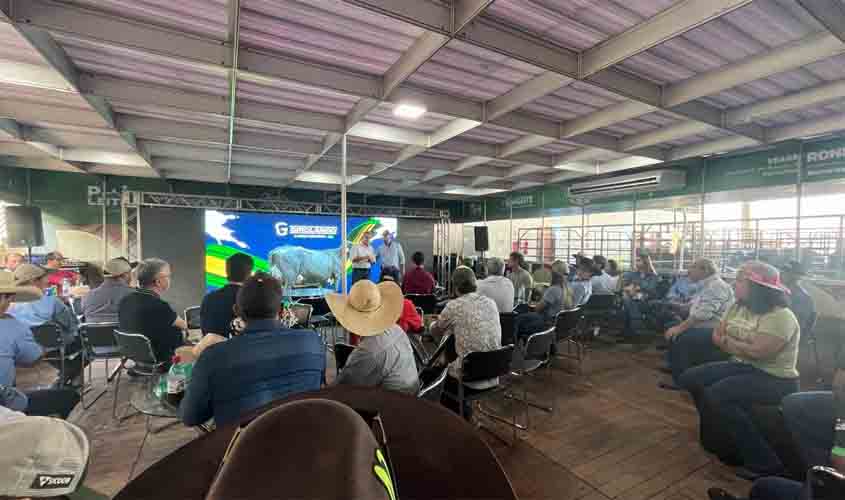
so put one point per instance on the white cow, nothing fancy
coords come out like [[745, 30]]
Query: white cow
[[291, 264], [215, 226]]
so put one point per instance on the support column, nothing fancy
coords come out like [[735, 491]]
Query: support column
[[343, 231]]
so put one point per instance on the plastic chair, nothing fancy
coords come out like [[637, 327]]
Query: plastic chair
[[530, 356], [431, 383], [138, 349], [98, 342], [567, 323], [49, 337], [192, 317]]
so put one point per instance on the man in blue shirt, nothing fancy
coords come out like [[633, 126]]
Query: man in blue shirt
[[49, 309], [217, 309], [801, 302], [266, 362]]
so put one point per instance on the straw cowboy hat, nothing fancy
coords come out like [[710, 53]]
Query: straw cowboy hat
[[8, 284], [117, 267], [369, 309]]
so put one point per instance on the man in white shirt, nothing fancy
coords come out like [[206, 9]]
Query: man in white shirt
[[392, 257], [601, 282], [496, 286], [362, 257]]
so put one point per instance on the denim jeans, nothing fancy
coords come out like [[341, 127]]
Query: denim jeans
[[809, 417], [528, 323], [633, 311], [692, 348], [52, 402], [776, 488], [731, 388]]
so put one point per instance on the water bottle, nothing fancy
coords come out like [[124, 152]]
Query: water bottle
[[65, 287], [176, 379]]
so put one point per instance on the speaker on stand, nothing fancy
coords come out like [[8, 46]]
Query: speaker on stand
[[24, 228], [482, 244]]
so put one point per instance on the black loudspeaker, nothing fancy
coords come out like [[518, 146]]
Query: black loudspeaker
[[482, 244], [24, 227]]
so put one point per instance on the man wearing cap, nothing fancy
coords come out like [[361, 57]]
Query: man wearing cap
[[392, 256], [217, 310], [384, 357], [19, 348], [54, 261], [101, 304], [801, 302], [265, 362], [49, 309], [144, 312], [362, 257]]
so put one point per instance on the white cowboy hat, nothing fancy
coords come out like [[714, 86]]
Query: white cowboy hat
[[117, 267], [369, 309], [22, 293]]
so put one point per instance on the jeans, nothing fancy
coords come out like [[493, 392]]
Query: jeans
[[809, 416], [633, 312], [73, 367], [527, 323], [52, 403], [360, 274], [776, 488], [731, 388], [692, 348]]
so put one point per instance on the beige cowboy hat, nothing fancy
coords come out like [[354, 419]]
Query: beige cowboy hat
[[369, 309], [22, 293], [117, 267], [27, 273]]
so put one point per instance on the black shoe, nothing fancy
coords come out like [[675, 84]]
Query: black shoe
[[669, 386], [720, 494]]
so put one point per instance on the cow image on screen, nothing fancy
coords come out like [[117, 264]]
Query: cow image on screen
[[296, 265]]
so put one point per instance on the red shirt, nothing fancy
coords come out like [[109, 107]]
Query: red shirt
[[418, 281], [410, 320], [57, 277]]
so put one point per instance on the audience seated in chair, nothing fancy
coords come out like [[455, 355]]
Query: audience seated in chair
[[217, 309], [384, 357], [522, 281], [762, 336], [49, 309], [496, 287], [601, 282], [474, 321], [144, 312], [811, 419], [410, 320], [101, 304], [18, 348], [265, 362], [582, 286], [800, 302], [639, 287], [691, 341], [418, 280], [557, 297]]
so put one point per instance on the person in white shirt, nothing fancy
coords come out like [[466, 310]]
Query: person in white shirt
[[392, 257], [496, 286], [362, 257], [602, 283]]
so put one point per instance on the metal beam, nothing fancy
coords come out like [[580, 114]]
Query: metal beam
[[522, 144], [804, 98], [418, 54], [830, 13], [710, 147], [607, 116], [674, 21], [233, 37], [524, 93], [808, 128], [663, 134]]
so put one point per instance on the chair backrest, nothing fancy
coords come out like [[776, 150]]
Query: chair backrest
[[483, 365], [341, 354], [303, 314], [98, 334], [566, 322], [318, 304], [425, 302], [539, 345], [76, 305], [136, 347], [445, 353], [48, 336], [601, 301], [192, 317], [431, 383], [507, 321]]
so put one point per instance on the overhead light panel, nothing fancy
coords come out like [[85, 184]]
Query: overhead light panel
[[327, 178], [469, 191], [408, 111]]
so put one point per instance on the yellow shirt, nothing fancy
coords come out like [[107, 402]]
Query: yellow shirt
[[742, 324]]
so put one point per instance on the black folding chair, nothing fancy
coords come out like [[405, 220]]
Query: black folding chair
[[530, 356], [192, 318], [507, 320], [480, 366], [428, 302], [98, 342], [600, 311], [138, 349], [431, 383], [302, 313], [321, 316], [567, 325], [341, 354], [49, 337]]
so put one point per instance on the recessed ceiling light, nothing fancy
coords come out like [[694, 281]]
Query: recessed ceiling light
[[470, 191], [327, 178], [408, 111]]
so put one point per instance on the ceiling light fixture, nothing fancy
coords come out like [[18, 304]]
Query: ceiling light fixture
[[408, 111]]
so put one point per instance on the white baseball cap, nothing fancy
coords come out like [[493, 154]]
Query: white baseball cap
[[42, 457]]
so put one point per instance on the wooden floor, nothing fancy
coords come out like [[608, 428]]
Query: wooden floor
[[614, 435]]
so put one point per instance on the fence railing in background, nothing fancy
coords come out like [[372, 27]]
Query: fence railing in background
[[674, 245]]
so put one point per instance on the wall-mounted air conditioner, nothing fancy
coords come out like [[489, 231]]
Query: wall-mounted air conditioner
[[655, 180]]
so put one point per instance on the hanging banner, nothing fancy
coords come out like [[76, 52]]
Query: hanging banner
[[824, 160], [777, 166]]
